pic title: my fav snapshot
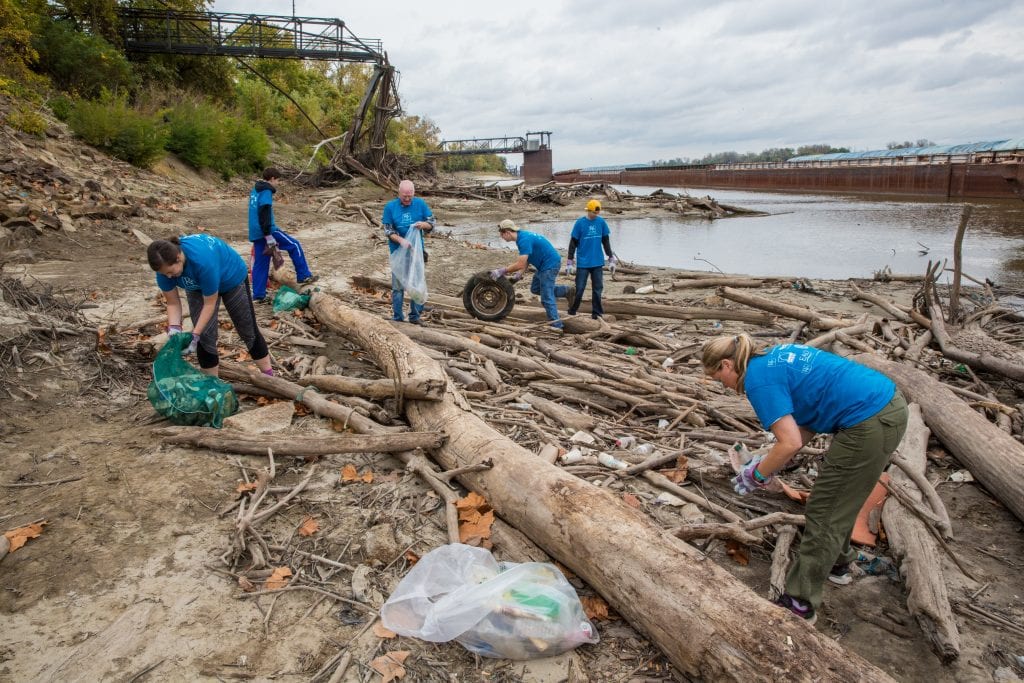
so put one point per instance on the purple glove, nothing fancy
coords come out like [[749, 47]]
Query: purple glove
[[570, 266], [271, 242], [193, 345], [516, 276], [500, 272], [746, 482], [173, 330]]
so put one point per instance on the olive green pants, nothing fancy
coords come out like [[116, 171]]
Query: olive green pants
[[855, 460]]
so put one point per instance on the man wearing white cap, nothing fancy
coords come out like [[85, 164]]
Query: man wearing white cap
[[535, 250]]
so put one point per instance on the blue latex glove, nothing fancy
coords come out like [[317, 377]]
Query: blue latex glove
[[745, 482], [173, 330], [500, 272], [193, 345], [613, 263], [570, 267]]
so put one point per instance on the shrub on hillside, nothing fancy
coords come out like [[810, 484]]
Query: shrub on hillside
[[27, 120], [205, 136], [111, 125], [81, 63]]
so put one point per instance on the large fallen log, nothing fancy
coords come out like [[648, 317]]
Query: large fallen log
[[917, 551], [994, 457], [308, 446], [810, 317], [373, 388], [706, 622]]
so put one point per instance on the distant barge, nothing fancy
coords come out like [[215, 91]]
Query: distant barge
[[980, 170]]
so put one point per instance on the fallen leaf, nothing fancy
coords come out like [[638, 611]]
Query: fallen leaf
[[279, 579], [243, 356], [367, 476], [381, 632], [390, 665], [246, 585], [631, 500], [478, 530], [301, 409], [349, 473], [340, 426], [677, 475], [411, 557], [739, 553], [20, 536], [473, 500], [595, 607], [243, 487], [309, 527]]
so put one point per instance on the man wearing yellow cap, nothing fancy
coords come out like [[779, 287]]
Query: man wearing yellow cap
[[589, 234], [535, 250]]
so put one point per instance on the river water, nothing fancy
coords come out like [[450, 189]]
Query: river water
[[814, 236]]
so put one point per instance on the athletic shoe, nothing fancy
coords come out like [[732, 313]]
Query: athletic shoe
[[570, 294], [841, 574], [797, 607], [309, 280], [261, 300]]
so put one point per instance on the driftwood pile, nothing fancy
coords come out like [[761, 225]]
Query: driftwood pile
[[563, 194]]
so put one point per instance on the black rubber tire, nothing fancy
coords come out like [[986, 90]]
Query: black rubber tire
[[487, 299]]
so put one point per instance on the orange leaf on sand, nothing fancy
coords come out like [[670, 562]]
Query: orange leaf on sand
[[243, 487], [309, 527], [390, 665], [475, 520], [20, 536], [595, 607], [381, 632], [631, 500], [279, 579], [350, 473], [472, 501], [301, 409], [411, 557], [739, 553], [246, 585]]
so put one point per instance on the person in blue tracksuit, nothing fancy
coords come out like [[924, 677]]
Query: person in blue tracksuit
[[535, 250], [589, 234], [266, 237], [209, 271], [404, 213], [798, 391]]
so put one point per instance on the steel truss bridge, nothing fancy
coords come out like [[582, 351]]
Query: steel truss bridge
[[243, 35], [531, 142]]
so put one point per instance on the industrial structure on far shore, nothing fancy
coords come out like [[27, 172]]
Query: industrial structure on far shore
[[976, 170]]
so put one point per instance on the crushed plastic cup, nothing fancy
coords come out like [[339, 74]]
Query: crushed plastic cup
[[611, 461], [575, 455], [644, 449], [663, 423], [667, 363]]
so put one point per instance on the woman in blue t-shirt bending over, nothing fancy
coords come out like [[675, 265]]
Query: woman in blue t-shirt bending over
[[798, 391], [209, 271]]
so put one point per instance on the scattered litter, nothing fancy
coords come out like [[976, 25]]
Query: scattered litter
[[583, 437], [961, 476], [625, 442], [611, 461]]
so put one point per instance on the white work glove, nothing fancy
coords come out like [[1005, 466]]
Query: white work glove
[[570, 267], [613, 263]]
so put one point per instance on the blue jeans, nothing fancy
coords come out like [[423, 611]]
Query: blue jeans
[[597, 276], [543, 283], [398, 298]]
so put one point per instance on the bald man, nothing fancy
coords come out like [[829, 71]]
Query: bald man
[[402, 214]]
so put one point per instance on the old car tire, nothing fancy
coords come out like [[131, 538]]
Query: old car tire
[[488, 299]]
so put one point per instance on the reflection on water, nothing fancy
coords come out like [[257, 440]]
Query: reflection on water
[[816, 236]]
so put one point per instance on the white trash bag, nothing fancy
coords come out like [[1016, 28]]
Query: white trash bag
[[506, 610], [408, 268]]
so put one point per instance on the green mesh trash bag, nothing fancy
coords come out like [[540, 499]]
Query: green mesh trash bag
[[184, 395], [287, 299]]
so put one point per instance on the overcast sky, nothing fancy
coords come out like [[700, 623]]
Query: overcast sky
[[629, 82]]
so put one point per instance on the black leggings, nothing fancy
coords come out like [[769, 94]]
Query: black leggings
[[238, 302]]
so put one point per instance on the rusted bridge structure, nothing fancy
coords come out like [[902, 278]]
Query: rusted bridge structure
[[534, 146], [165, 30]]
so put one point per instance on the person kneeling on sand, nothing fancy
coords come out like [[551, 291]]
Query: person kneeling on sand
[[535, 250]]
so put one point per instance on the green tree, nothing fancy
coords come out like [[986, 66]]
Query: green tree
[[81, 63], [18, 21]]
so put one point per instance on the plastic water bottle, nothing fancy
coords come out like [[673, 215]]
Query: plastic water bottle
[[644, 449], [572, 456], [625, 442], [611, 462]]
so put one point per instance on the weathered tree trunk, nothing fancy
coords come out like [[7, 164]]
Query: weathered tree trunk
[[920, 563], [707, 623], [796, 312], [563, 415], [304, 446], [373, 388], [994, 457]]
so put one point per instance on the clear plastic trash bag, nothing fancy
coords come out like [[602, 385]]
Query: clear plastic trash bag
[[503, 610], [408, 267]]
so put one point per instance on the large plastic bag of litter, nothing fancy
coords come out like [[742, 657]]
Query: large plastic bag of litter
[[184, 395], [505, 610], [407, 266], [287, 299]]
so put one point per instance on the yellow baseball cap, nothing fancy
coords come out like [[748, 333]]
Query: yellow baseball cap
[[593, 205]]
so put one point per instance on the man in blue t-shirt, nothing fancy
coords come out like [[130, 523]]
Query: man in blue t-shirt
[[402, 214], [589, 234], [535, 250], [267, 238]]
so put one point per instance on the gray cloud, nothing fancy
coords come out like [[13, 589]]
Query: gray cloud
[[628, 82]]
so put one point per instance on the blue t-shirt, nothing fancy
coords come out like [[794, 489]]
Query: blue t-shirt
[[541, 255], [211, 267], [262, 195], [822, 391], [588, 235], [398, 219]]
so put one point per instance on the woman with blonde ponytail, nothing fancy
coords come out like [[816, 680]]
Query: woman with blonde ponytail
[[798, 391]]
